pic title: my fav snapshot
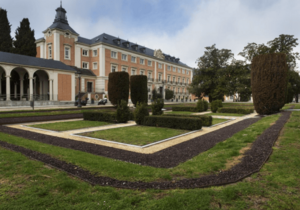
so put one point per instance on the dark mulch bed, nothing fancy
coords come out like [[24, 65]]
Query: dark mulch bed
[[15, 120], [167, 158], [251, 163]]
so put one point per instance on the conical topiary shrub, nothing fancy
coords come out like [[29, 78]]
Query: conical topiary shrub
[[268, 82]]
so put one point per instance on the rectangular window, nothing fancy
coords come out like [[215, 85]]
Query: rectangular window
[[173, 79], [160, 66], [132, 72], [178, 80], [85, 65], [124, 69], [142, 72], [183, 71], [168, 78], [113, 54], [124, 57], [178, 70], [149, 75], [159, 77], [113, 68], [89, 87], [67, 53], [142, 61], [187, 81], [169, 68], [182, 80], [95, 65], [187, 72], [174, 69], [95, 53], [133, 59], [50, 51], [84, 52], [149, 63], [149, 88]]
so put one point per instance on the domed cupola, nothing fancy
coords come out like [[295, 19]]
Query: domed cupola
[[61, 15]]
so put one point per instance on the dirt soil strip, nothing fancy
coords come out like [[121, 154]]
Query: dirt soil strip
[[166, 158], [15, 120], [251, 163]]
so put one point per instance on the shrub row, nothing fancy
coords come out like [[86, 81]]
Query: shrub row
[[206, 120], [235, 110], [107, 116], [184, 108], [186, 123], [215, 105]]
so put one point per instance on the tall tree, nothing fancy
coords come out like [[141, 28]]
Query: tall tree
[[25, 41], [5, 38], [253, 49], [206, 80]]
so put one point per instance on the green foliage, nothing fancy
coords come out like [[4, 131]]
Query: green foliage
[[105, 116], [155, 94], [140, 112], [156, 106], [118, 87], [5, 38], [235, 110], [205, 105], [138, 89], [200, 106], [169, 94], [186, 123], [25, 41], [123, 113], [206, 120], [268, 76], [184, 108], [215, 105]]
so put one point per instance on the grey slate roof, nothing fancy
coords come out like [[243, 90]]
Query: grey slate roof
[[87, 72], [106, 38], [33, 61], [62, 26]]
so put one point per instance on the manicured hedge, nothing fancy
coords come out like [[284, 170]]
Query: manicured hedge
[[206, 120], [138, 89], [269, 82], [235, 110], [105, 116], [184, 108], [187, 123], [118, 87]]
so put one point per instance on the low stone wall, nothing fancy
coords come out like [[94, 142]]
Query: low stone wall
[[36, 103]]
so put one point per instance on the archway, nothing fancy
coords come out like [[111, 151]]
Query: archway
[[41, 85], [2, 84], [19, 82]]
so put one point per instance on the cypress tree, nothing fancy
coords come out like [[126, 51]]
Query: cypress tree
[[25, 41], [5, 38]]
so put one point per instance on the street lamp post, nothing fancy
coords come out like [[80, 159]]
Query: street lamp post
[[79, 98]]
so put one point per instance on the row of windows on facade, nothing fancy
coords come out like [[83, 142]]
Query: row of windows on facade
[[170, 88], [142, 61]]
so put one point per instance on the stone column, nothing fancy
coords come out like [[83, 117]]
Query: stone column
[[0, 85], [21, 89], [7, 88], [31, 88], [50, 90], [15, 90]]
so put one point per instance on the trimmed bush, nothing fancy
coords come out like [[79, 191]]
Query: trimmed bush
[[235, 110], [138, 89], [187, 123], [118, 87], [169, 94], [140, 112], [156, 106], [200, 106], [184, 108], [215, 105], [205, 105], [123, 112], [206, 120], [105, 116], [268, 82]]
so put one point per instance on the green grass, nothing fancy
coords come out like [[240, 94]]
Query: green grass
[[40, 114], [29, 184], [180, 112], [217, 121], [71, 125], [207, 162], [225, 114], [137, 135]]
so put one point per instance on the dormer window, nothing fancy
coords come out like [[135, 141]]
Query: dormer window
[[126, 44], [135, 46], [67, 34], [143, 49], [117, 41]]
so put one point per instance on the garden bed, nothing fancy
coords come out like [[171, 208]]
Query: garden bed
[[251, 163]]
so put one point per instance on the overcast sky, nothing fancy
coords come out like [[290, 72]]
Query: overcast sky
[[181, 28]]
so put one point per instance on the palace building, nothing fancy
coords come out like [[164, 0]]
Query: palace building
[[63, 56]]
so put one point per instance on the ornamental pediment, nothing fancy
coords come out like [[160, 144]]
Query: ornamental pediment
[[158, 53]]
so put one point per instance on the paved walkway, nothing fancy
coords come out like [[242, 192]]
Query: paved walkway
[[147, 150]]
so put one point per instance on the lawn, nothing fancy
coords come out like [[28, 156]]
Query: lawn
[[180, 112], [29, 184], [33, 114], [217, 121], [70, 125], [225, 114], [136, 135]]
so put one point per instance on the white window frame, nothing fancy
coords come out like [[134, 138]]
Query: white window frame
[[150, 63], [169, 68], [149, 73], [50, 51], [178, 80], [187, 80], [113, 66], [114, 54], [94, 55], [178, 69], [159, 65], [87, 53], [142, 72], [133, 71], [174, 79], [187, 72], [124, 67], [159, 77], [87, 65], [183, 71], [69, 52], [142, 59], [94, 65], [174, 69], [134, 59], [169, 77], [125, 56], [183, 80]]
